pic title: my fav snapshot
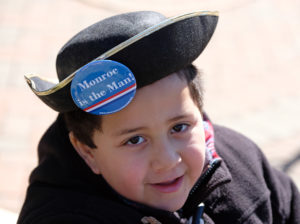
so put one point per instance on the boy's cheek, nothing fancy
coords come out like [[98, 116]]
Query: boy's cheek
[[195, 153], [194, 156], [196, 141]]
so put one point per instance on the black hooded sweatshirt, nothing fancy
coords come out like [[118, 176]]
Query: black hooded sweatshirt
[[242, 188]]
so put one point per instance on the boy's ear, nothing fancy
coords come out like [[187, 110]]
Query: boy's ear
[[85, 152]]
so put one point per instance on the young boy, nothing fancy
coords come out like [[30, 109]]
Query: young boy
[[132, 143]]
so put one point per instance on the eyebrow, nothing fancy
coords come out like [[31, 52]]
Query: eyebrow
[[179, 117], [128, 131], [133, 130]]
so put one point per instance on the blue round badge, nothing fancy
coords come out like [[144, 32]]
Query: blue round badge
[[103, 87]]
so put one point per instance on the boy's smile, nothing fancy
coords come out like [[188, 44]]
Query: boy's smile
[[169, 186], [153, 150]]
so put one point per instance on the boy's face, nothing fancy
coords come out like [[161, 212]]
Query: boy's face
[[153, 150]]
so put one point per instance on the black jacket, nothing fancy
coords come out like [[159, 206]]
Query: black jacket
[[242, 188]]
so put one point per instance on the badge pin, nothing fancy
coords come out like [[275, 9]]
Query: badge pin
[[103, 87]]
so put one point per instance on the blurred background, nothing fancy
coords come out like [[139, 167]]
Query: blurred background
[[251, 74]]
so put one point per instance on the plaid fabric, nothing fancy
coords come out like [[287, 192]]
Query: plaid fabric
[[211, 154]]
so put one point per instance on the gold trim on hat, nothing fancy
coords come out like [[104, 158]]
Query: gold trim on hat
[[40, 91]]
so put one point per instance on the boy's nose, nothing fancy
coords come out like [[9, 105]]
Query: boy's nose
[[165, 156]]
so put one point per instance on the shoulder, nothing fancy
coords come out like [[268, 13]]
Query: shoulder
[[231, 139], [244, 160], [240, 154], [257, 190], [52, 206]]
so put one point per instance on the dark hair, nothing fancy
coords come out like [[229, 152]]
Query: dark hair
[[83, 124]]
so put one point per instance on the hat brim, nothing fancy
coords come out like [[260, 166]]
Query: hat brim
[[173, 52]]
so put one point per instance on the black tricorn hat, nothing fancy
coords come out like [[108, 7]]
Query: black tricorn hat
[[149, 44]]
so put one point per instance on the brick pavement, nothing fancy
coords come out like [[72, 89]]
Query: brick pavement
[[251, 73]]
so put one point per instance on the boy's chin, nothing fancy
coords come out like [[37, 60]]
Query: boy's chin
[[170, 206]]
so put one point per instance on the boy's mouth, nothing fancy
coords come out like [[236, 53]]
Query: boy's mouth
[[169, 186]]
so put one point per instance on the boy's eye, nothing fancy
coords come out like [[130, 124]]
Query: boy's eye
[[179, 128], [135, 140]]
